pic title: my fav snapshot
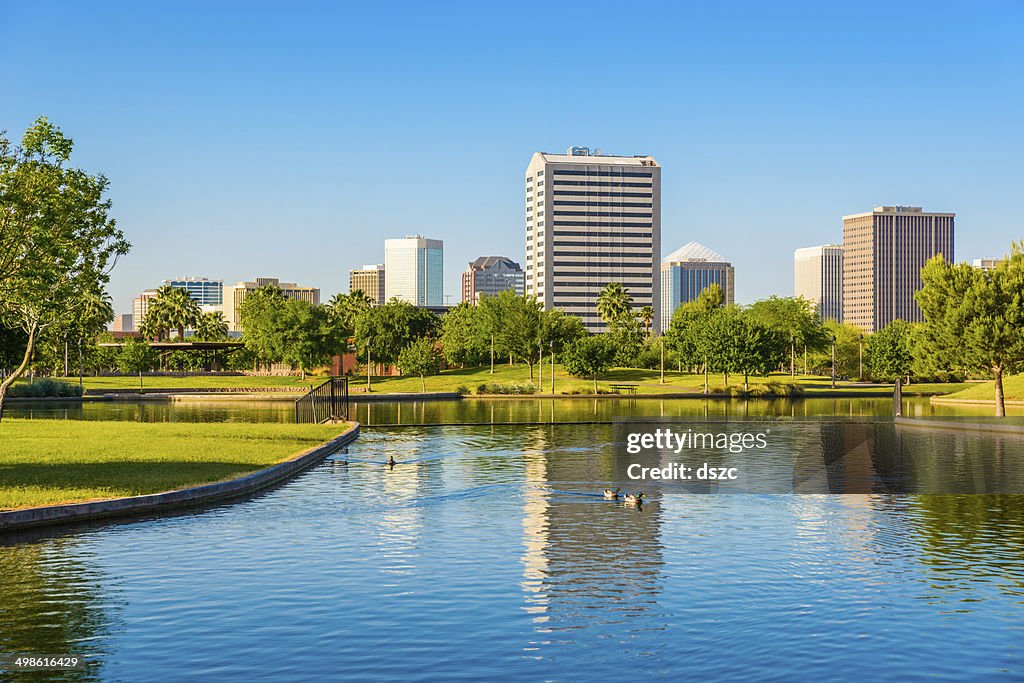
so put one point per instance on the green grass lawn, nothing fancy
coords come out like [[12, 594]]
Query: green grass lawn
[[675, 382], [131, 383], [451, 380], [1013, 390], [46, 462]]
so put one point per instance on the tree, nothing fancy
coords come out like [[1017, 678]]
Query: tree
[[794, 317], [390, 328], [710, 298], [212, 326], [57, 240], [174, 309], [977, 316], [420, 357], [347, 307], [646, 315], [558, 329], [721, 340], [510, 324], [136, 356], [760, 349], [304, 335], [848, 345], [614, 302], [589, 357], [888, 352], [258, 314], [461, 340]]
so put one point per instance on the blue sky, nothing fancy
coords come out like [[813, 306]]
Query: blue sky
[[245, 139]]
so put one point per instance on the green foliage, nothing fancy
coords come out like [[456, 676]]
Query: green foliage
[[348, 307], [211, 326], [589, 356], [710, 298], [888, 354], [136, 357], [848, 340], [462, 338], [614, 303], [171, 309], [974, 317], [390, 328], [515, 388], [795, 318], [421, 358], [57, 240], [43, 388]]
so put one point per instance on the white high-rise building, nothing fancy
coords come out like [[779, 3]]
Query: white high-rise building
[[415, 270], [818, 277], [592, 219]]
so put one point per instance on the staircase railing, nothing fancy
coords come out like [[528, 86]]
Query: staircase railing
[[325, 402]]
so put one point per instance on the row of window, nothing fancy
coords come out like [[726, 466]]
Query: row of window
[[617, 174], [592, 224], [608, 214], [598, 183], [581, 193], [636, 205]]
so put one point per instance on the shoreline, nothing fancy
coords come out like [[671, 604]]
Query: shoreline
[[190, 497]]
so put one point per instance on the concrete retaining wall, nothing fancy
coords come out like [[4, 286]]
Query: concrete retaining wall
[[182, 498], [961, 426]]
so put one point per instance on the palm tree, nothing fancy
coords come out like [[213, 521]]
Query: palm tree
[[614, 302], [153, 324], [176, 309], [212, 326], [647, 316]]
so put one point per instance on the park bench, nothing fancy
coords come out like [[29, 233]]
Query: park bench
[[628, 388]]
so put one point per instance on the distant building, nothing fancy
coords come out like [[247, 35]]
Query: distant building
[[592, 219], [818, 277], [490, 275], [140, 307], [884, 251], [123, 322], [415, 270], [203, 291], [987, 263], [235, 295], [687, 272], [369, 280]]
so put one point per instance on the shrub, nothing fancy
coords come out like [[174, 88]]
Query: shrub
[[44, 388], [462, 390], [509, 388]]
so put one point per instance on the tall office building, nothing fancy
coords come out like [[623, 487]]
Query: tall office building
[[491, 275], [370, 280], [883, 253], [592, 219], [140, 307], [236, 293], [123, 322], [687, 272], [415, 270], [818, 277], [203, 291]]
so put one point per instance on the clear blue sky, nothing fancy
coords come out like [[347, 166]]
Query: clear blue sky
[[244, 139]]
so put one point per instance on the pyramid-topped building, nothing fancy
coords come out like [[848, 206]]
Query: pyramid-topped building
[[687, 272]]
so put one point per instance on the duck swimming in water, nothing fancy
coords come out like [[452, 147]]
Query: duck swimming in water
[[611, 494], [391, 461], [634, 499]]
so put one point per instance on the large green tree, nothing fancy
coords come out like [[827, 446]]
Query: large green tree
[[462, 339], [889, 353], [794, 317], [57, 239], [389, 328], [589, 357], [420, 358], [977, 316]]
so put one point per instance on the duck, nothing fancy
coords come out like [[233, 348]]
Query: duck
[[634, 499], [391, 461], [611, 494]]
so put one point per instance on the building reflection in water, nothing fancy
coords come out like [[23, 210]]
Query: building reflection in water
[[587, 563]]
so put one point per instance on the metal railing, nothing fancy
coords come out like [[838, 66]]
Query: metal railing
[[324, 402]]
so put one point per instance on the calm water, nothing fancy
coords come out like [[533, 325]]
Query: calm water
[[486, 555], [486, 411]]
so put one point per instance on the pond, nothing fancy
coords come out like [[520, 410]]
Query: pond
[[488, 553], [476, 411]]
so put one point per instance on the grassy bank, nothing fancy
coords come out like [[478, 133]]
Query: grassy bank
[[1013, 390], [648, 381], [470, 378], [47, 462]]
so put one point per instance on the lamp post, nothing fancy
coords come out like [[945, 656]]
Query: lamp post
[[369, 367], [860, 348], [540, 365], [551, 352], [662, 360], [833, 361]]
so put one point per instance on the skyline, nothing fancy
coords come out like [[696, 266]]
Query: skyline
[[291, 145]]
